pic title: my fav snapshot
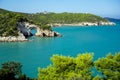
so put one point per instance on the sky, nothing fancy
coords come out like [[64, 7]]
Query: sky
[[103, 8]]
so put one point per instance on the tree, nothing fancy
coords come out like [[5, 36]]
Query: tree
[[14, 67], [109, 66], [68, 68], [12, 71], [79, 68], [6, 75]]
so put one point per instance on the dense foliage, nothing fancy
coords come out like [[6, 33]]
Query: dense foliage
[[9, 19], [68, 68], [46, 18], [81, 67], [109, 66], [12, 71], [8, 23]]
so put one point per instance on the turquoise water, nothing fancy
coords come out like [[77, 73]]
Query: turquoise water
[[37, 52]]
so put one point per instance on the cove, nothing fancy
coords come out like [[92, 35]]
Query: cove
[[75, 39]]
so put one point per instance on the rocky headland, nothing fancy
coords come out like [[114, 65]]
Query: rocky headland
[[26, 27], [25, 31], [40, 31], [15, 26]]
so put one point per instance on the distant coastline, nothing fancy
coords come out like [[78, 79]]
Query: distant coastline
[[17, 26], [83, 24]]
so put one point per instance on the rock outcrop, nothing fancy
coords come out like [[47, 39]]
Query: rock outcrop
[[46, 33], [25, 28], [25, 31], [19, 38]]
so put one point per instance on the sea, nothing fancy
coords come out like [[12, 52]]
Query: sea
[[75, 40]]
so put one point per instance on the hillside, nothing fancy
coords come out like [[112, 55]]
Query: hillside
[[16, 26], [46, 18], [9, 20], [8, 23]]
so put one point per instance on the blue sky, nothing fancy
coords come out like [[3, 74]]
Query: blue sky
[[104, 8]]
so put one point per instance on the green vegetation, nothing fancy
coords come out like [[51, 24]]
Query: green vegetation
[[12, 71], [109, 66], [68, 68], [80, 68], [8, 23], [46, 18], [9, 20]]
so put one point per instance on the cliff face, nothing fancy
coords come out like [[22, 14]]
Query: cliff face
[[26, 27], [25, 31]]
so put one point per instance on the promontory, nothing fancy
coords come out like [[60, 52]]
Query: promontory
[[16, 26]]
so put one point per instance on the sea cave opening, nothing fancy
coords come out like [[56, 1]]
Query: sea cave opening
[[33, 31]]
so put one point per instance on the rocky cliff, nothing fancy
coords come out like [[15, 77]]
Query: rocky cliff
[[25, 31], [46, 33], [26, 27]]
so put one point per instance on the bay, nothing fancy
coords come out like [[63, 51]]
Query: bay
[[75, 40]]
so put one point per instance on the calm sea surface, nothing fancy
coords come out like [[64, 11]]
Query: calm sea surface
[[36, 53]]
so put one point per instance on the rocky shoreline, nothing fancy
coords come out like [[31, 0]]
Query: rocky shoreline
[[45, 33], [83, 24], [24, 32], [24, 29], [20, 38], [13, 39]]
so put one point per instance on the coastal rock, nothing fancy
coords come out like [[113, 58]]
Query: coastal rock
[[106, 23], [25, 31], [40, 32], [19, 38], [84, 24], [46, 33]]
